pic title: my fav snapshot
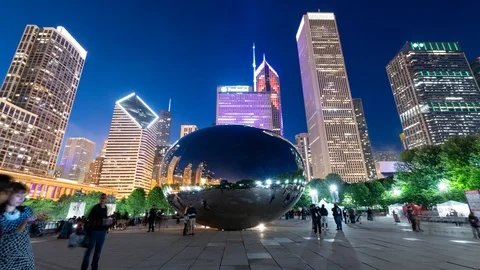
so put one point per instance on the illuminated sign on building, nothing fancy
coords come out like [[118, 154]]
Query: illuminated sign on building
[[238, 88]]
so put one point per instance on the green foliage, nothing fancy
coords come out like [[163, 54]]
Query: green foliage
[[63, 204], [358, 193], [121, 206], [419, 175], [91, 200], [136, 201], [460, 159], [306, 199], [157, 198], [40, 206]]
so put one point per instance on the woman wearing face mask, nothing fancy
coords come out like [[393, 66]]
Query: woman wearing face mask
[[15, 220]]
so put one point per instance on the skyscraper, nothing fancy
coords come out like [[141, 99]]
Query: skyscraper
[[239, 105], [303, 147], [131, 145], [164, 127], [187, 129], [364, 138], [475, 66], [36, 98], [333, 133], [94, 171], [163, 140], [76, 158], [436, 94], [267, 81]]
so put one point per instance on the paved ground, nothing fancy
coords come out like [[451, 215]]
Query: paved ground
[[282, 245]]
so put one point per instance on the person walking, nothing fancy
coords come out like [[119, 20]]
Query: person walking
[[324, 217], [473, 220], [96, 230], [337, 215], [369, 214], [345, 212], [191, 213], [412, 218], [152, 215], [315, 218]]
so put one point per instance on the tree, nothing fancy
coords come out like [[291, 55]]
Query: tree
[[419, 173], [41, 206], [306, 199], [91, 200], [358, 192], [121, 206], [63, 205], [157, 198], [376, 192], [136, 201]]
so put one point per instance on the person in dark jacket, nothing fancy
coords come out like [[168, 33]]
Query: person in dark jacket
[[315, 218], [191, 213], [324, 217], [152, 216], [473, 220], [337, 215], [96, 230]]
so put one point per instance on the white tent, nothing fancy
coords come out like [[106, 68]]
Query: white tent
[[446, 208], [398, 208]]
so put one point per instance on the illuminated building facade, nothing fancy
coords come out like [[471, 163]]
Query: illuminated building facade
[[164, 128], [131, 145], [76, 158], [364, 138], [302, 143], [53, 188], [37, 98], [187, 129], [435, 91], [475, 66], [268, 82], [239, 105], [94, 171], [332, 128]]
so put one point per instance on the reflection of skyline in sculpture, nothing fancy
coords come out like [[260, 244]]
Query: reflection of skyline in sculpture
[[243, 176], [171, 169], [187, 175]]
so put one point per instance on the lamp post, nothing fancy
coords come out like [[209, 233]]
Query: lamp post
[[334, 193], [314, 195]]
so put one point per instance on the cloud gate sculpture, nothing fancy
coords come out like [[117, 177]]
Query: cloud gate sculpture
[[235, 176]]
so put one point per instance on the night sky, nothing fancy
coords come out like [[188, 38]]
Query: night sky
[[183, 49]]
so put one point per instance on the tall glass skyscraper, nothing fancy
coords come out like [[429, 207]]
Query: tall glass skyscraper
[[435, 91], [239, 105], [364, 138], [164, 128], [128, 162], [268, 82], [332, 128], [36, 98], [77, 155]]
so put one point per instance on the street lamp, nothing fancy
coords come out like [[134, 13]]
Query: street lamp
[[314, 195], [334, 193], [396, 192], [442, 187]]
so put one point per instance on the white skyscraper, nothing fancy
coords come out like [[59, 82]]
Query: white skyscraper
[[332, 128], [131, 145], [77, 155]]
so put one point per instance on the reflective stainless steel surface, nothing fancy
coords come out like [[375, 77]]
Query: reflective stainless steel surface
[[235, 176]]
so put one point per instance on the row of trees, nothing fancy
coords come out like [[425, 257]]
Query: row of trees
[[426, 176], [137, 203]]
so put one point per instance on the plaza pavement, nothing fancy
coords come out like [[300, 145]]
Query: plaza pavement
[[284, 244]]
